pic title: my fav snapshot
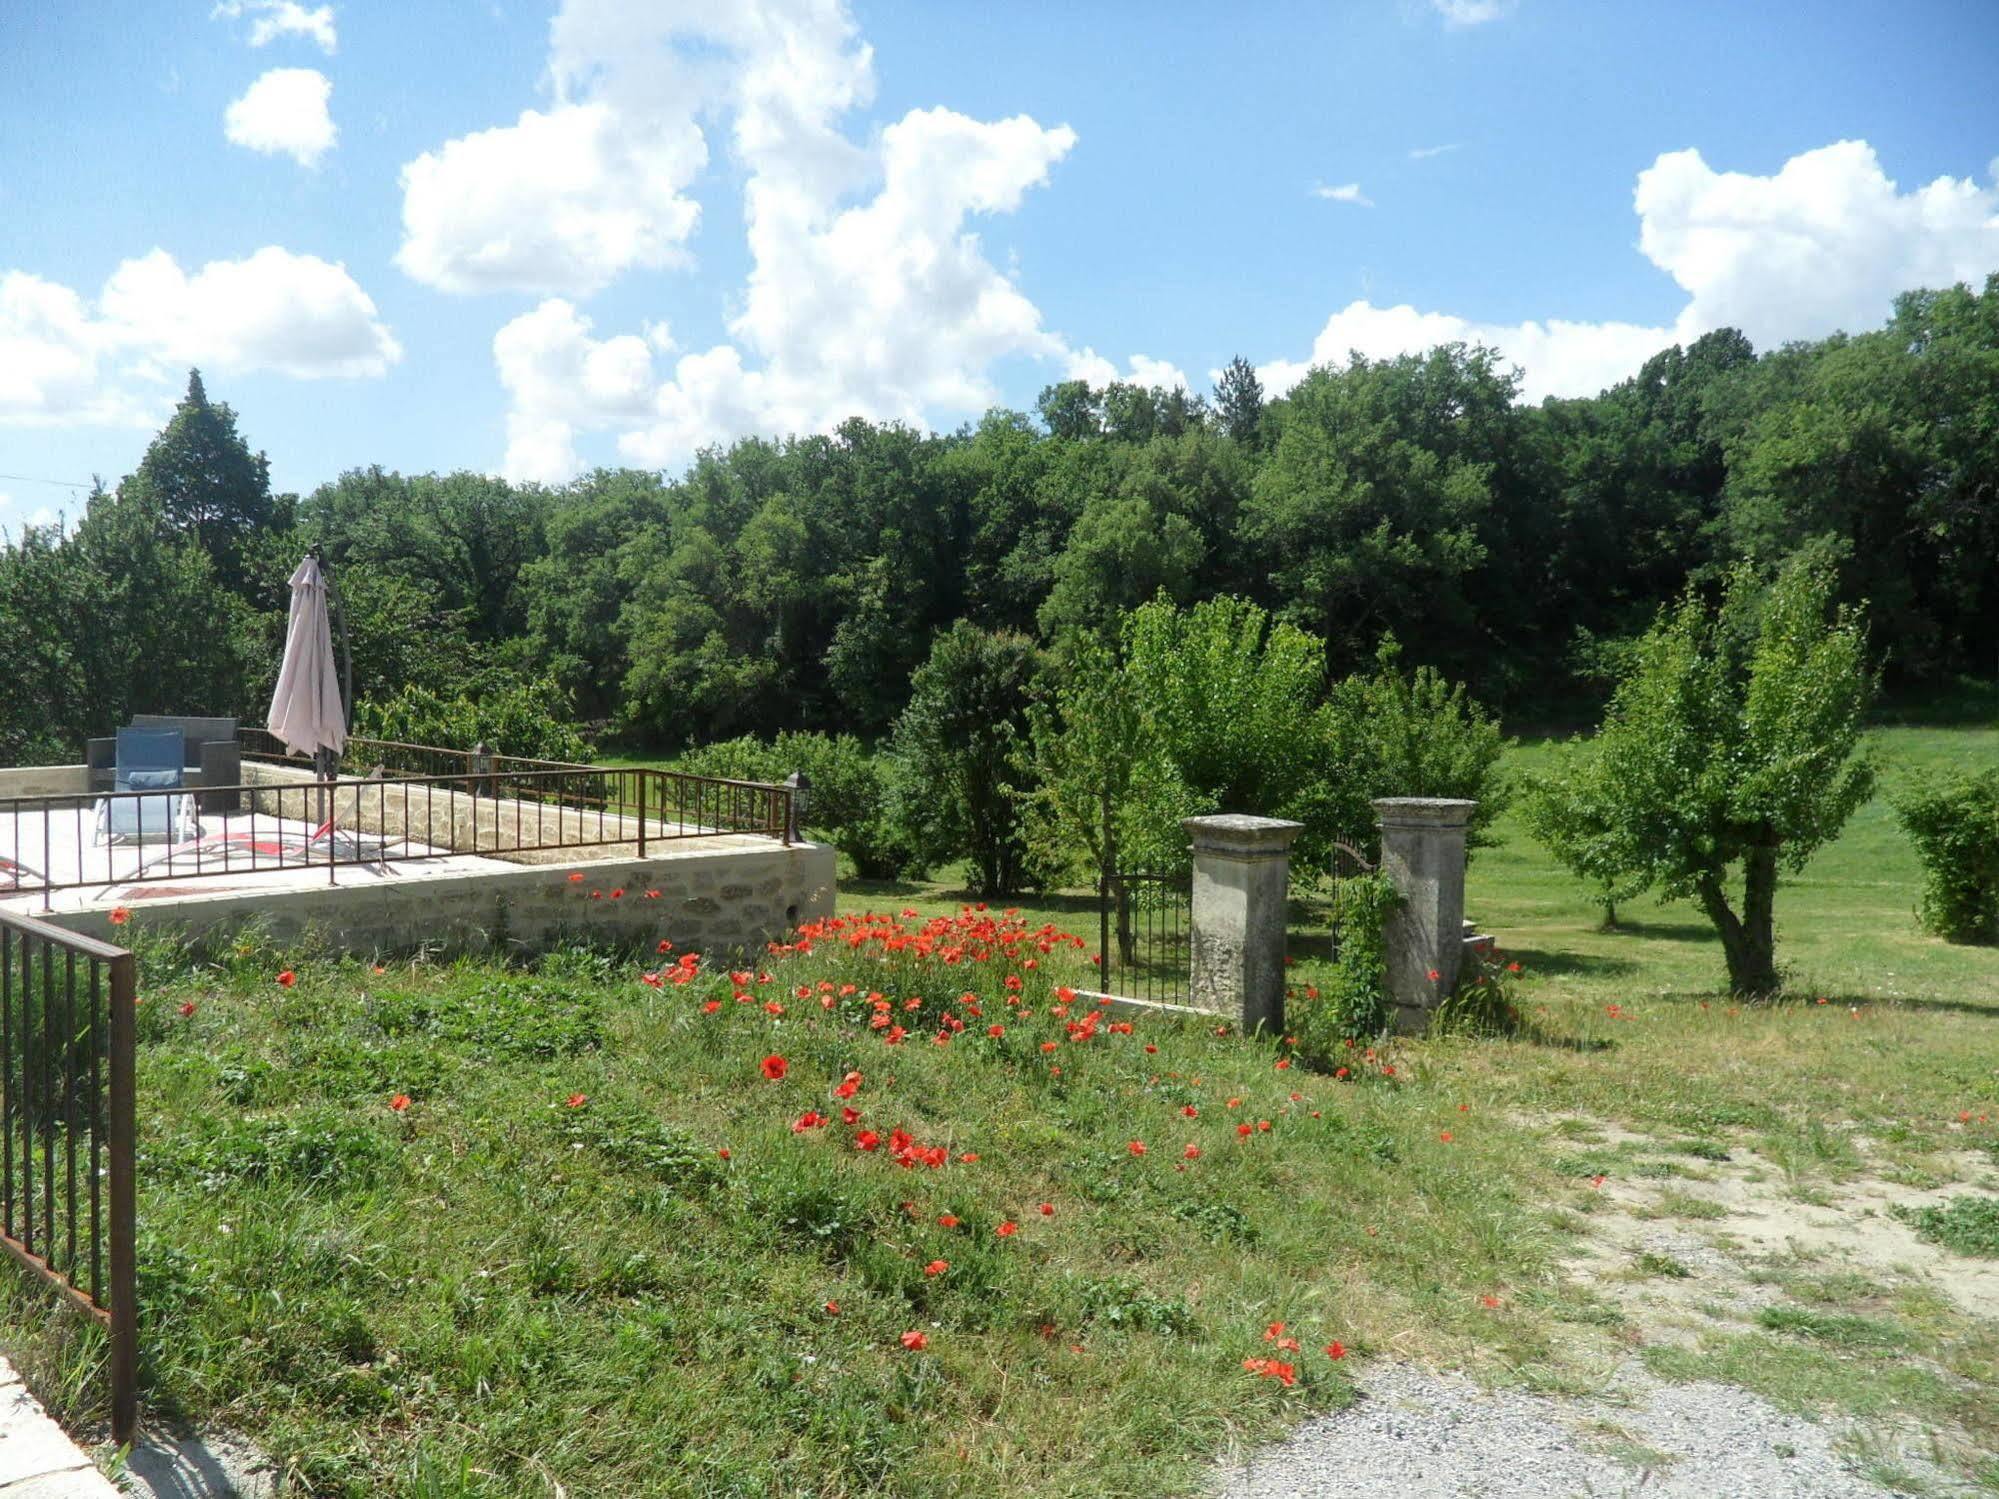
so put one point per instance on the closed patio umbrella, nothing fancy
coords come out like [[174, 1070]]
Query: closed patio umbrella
[[306, 711]]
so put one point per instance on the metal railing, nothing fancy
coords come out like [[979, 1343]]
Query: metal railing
[[68, 1131], [1145, 934], [152, 837]]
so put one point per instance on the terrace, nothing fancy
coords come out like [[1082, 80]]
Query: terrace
[[412, 845]]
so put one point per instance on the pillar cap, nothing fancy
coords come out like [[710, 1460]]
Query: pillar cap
[[1240, 834], [1423, 811]]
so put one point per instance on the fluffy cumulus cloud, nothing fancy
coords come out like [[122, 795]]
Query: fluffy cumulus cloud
[[869, 291], [284, 112], [1823, 244], [65, 360], [273, 20], [560, 201]]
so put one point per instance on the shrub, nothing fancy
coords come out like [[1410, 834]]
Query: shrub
[[529, 718], [849, 803], [1353, 1005], [1387, 733], [1953, 820]]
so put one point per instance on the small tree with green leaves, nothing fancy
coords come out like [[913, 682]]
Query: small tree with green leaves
[[1953, 820], [1569, 812], [962, 768], [1731, 751]]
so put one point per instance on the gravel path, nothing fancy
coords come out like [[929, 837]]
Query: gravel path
[[1417, 1435]]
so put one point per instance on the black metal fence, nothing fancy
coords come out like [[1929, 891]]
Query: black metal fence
[[1145, 933], [67, 1131], [141, 838]]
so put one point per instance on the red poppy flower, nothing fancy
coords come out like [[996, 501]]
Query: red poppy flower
[[775, 1068], [1336, 1349], [995, 1031], [849, 1114], [968, 1157], [664, 946], [810, 1119], [1245, 1130], [652, 895], [1136, 1147], [946, 1220], [1192, 1152], [936, 1267], [1434, 975], [915, 1341], [618, 894], [1445, 1136], [575, 877], [188, 1008], [577, 1100], [1007, 1229], [711, 1007], [867, 1139], [1488, 1302], [1047, 1045], [400, 1102], [287, 979], [832, 1308], [1191, 1112], [1048, 1210], [723, 1152], [119, 915]]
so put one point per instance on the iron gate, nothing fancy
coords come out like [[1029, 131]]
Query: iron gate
[[1145, 933]]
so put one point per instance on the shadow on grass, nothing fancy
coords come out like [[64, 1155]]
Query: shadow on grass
[[1664, 931], [1542, 961]]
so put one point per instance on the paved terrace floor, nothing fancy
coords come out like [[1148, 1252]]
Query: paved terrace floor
[[233, 853]]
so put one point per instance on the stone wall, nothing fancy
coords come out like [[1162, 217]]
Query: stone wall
[[45, 780], [714, 901]]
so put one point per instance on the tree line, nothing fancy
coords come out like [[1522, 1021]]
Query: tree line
[[800, 583]]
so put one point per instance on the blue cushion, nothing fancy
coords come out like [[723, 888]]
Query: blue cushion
[[152, 780]]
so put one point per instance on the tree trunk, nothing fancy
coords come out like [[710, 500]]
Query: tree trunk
[[1748, 942], [1759, 900]]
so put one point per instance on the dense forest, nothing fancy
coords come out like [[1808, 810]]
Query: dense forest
[[799, 583]]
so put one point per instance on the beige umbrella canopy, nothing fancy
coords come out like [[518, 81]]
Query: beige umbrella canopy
[[305, 710]]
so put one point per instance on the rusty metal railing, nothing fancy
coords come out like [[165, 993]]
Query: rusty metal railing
[[68, 1132]]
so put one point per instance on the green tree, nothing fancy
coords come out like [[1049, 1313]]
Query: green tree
[[1239, 400], [206, 483], [1733, 744], [1368, 507], [963, 771]]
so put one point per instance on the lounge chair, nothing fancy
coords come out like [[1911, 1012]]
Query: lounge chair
[[148, 760]]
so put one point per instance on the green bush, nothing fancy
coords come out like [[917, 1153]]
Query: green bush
[[1353, 1005], [849, 802], [1953, 820], [529, 718]]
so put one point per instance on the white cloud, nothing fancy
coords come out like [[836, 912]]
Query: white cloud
[[284, 111], [272, 19], [560, 379], [1823, 244], [869, 290], [67, 362], [1424, 153], [1158, 374], [1471, 12], [560, 201], [1347, 192]]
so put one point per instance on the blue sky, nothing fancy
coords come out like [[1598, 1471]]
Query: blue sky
[[1140, 180]]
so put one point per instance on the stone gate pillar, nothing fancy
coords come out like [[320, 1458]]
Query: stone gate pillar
[[1242, 871], [1423, 855]]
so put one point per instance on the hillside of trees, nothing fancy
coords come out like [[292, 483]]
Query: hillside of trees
[[799, 583]]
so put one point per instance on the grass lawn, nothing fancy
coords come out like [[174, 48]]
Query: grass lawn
[[544, 1275]]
